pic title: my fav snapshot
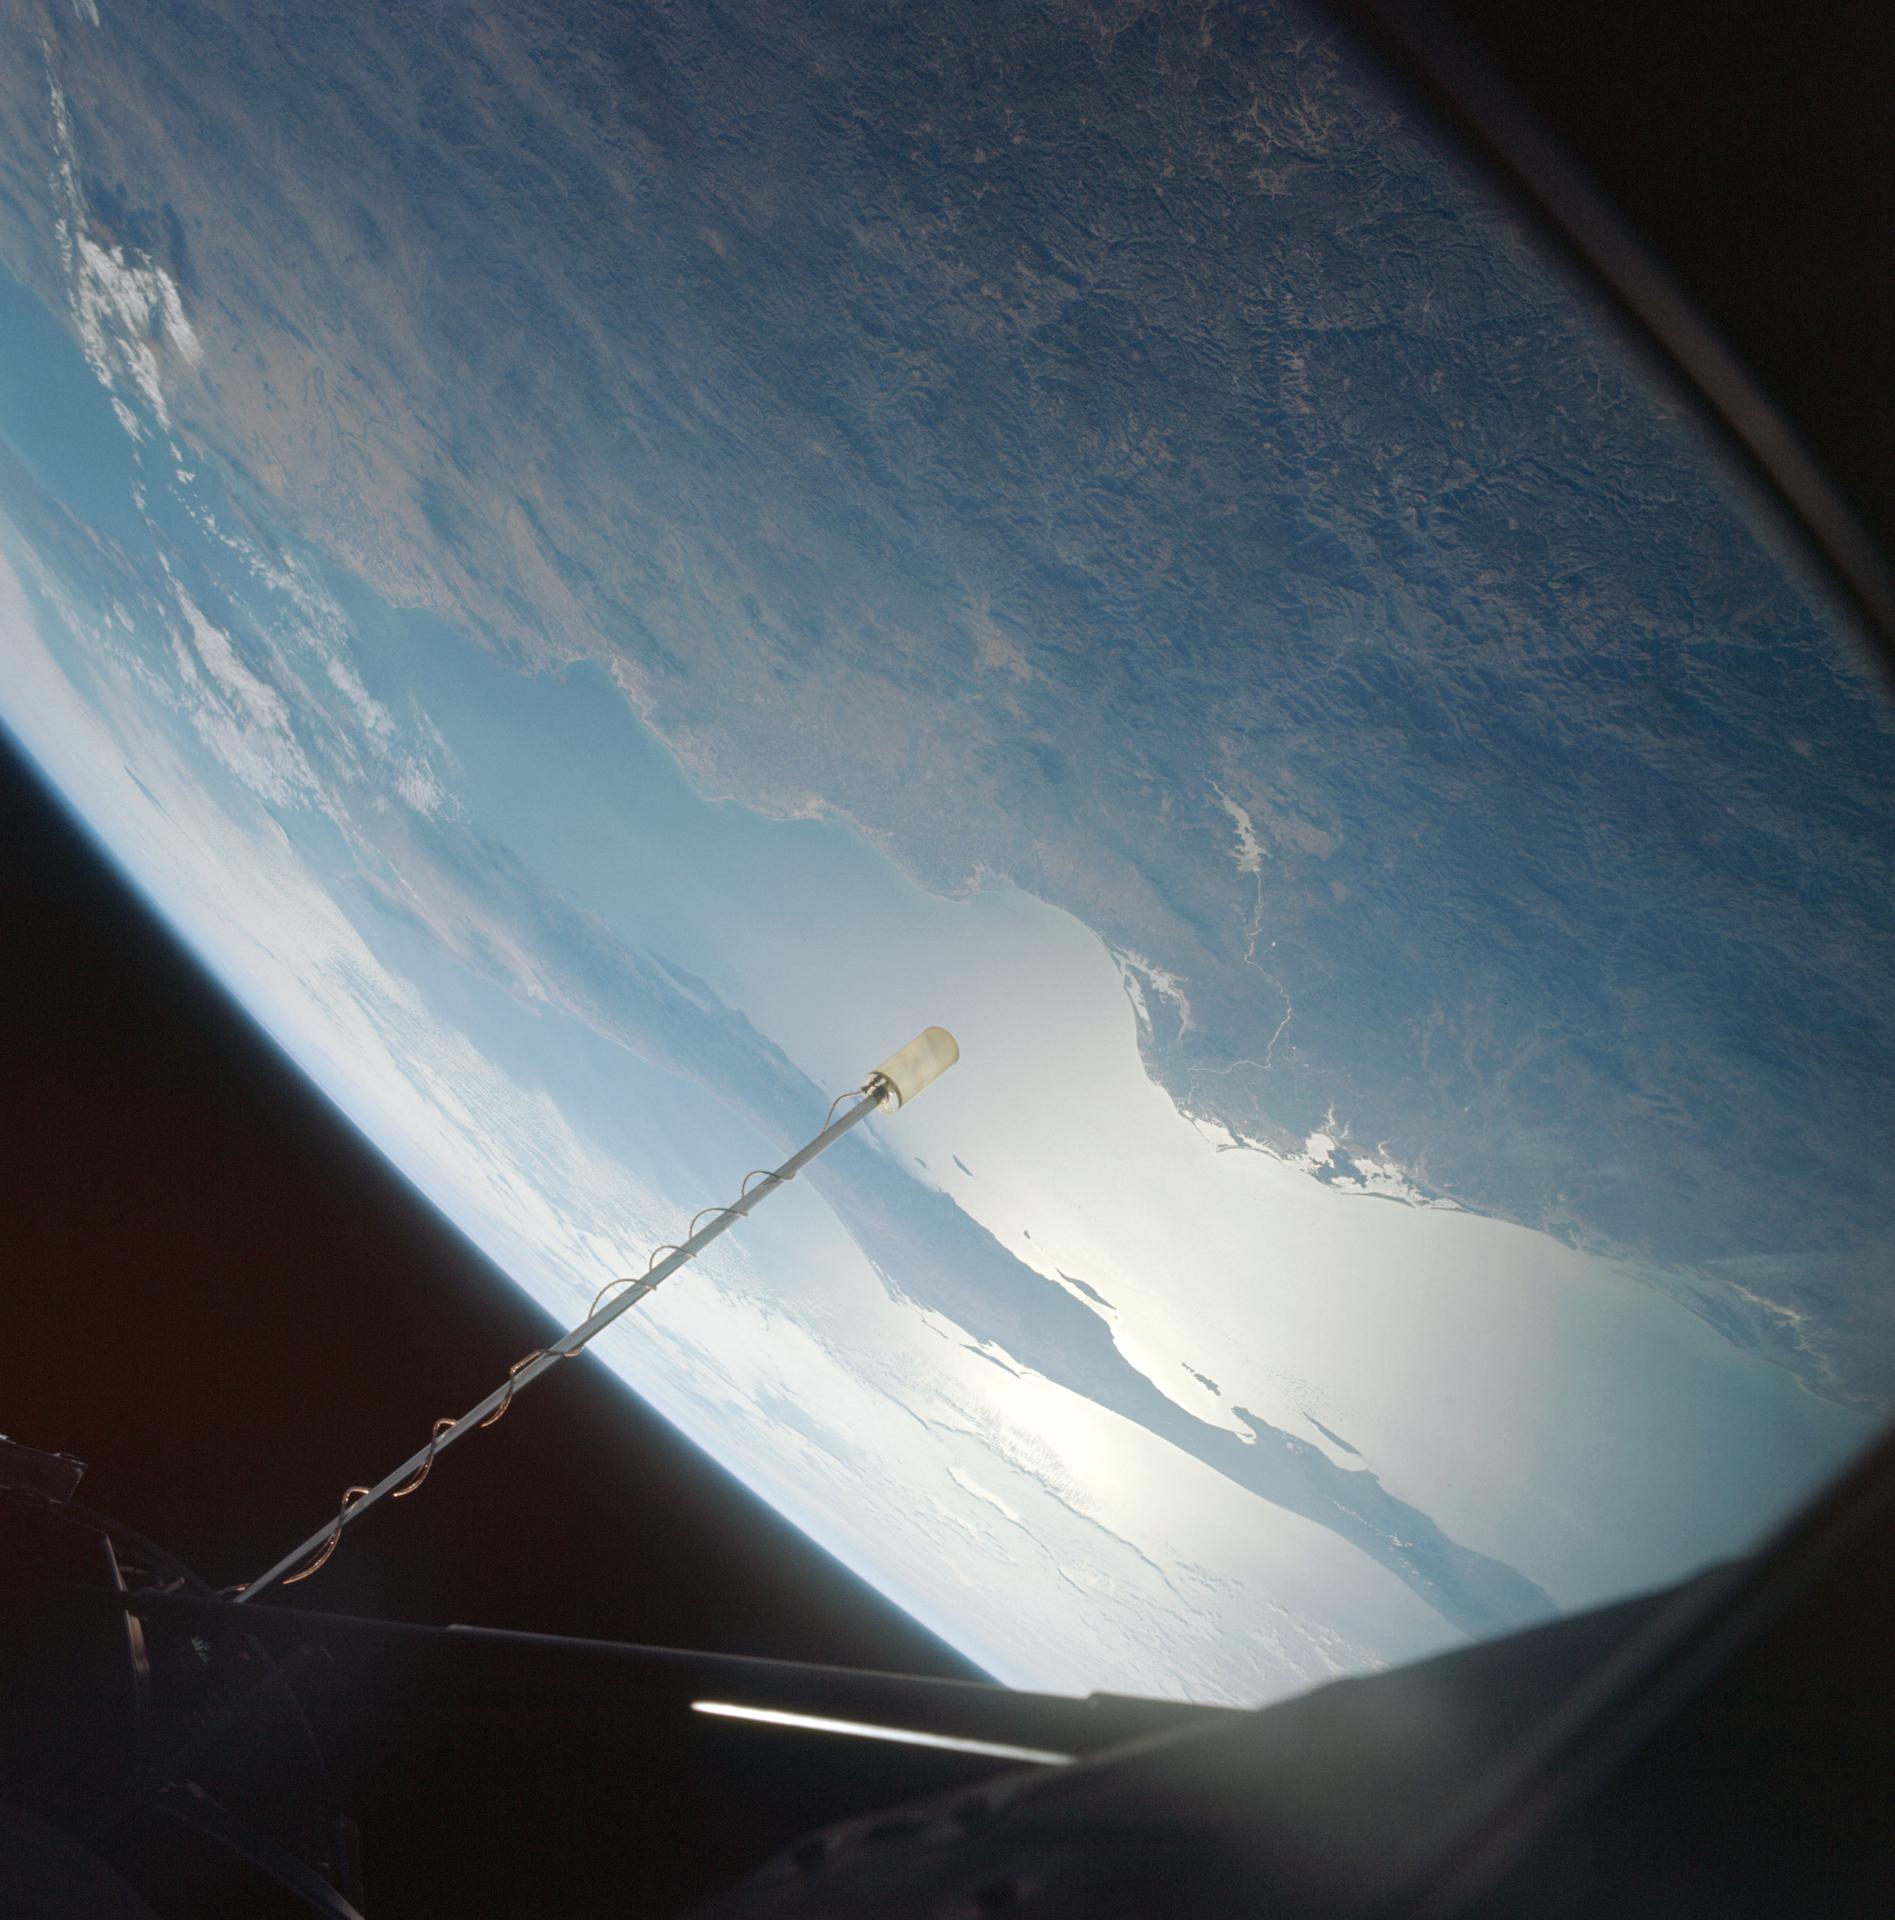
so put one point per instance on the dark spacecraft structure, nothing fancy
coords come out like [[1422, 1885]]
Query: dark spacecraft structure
[[160, 1753]]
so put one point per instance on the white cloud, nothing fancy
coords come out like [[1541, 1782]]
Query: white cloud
[[127, 313]]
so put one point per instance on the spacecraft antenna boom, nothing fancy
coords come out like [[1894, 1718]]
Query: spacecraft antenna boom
[[893, 1084]]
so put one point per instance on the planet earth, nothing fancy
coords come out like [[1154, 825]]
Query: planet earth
[[604, 566]]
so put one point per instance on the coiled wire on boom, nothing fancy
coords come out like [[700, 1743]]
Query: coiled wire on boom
[[892, 1085], [413, 1474]]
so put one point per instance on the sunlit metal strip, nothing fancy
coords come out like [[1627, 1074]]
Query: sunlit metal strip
[[867, 1730]]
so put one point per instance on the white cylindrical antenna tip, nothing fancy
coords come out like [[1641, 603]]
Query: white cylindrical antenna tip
[[919, 1064]]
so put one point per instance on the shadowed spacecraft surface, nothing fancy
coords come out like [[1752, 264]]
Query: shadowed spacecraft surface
[[588, 562]]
